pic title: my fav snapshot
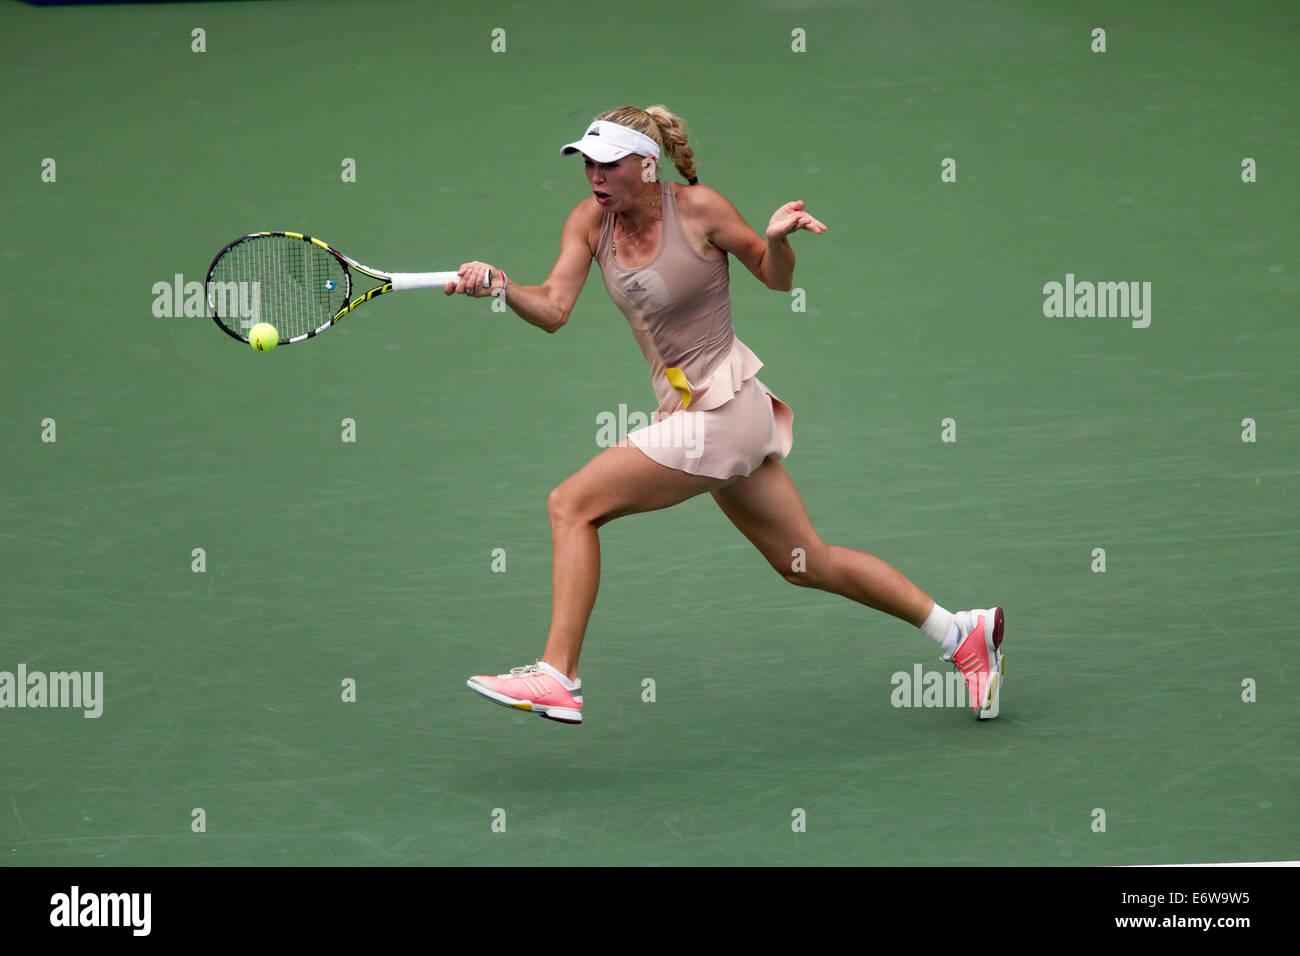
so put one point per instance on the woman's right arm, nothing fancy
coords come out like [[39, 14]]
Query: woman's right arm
[[548, 305]]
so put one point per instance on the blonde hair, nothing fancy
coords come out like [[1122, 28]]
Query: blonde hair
[[662, 126]]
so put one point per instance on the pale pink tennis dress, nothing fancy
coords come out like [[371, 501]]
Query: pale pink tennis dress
[[715, 417]]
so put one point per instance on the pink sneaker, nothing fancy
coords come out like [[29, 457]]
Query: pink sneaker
[[529, 688], [979, 658]]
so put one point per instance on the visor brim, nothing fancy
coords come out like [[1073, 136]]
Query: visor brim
[[593, 148]]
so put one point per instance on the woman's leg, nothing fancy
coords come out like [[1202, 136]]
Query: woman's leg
[[619, 481], [767, 509], [769, 512]]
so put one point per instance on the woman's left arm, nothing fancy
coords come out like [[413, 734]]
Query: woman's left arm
[[770, 259]]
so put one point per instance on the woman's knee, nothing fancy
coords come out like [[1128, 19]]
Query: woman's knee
[[804, 566], [566, 505], [559, 506]]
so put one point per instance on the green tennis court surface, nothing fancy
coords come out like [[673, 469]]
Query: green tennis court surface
[[773, 736]]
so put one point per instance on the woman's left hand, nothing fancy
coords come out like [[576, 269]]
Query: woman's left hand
[[790, 218]]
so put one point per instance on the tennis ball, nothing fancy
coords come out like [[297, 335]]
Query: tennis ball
[[263, 337]]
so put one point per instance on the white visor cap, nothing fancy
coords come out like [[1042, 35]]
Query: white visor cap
[[607, 142]]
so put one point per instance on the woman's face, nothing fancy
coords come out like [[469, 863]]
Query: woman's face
[[617, 186]]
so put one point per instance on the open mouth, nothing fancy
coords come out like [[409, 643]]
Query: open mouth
[[601, 196]]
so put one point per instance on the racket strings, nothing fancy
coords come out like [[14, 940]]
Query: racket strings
[[291, 283]]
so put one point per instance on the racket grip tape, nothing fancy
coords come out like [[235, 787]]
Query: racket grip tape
[[429, 280]]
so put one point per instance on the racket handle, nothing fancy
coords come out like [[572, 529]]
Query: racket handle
[[429, 280]]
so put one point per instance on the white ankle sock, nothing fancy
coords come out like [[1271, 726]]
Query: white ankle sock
[[548, 669], [941, 626]]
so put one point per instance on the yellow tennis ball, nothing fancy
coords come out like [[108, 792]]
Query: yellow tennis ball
[[263, 337]]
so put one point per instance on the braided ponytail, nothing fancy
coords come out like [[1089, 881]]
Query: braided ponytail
[[672, 135]]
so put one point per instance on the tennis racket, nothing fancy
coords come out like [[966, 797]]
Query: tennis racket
[[297, 283]]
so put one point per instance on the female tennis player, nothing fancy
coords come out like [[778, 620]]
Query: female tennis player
[[663, 250]]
